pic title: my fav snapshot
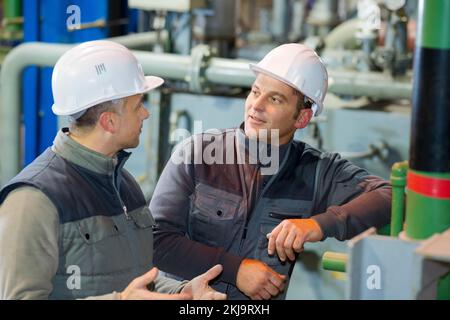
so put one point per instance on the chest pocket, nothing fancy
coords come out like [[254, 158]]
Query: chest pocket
[[277, 210], [143, 227], [97, 245], [97, 228], [142, 218], [274, 212], [214, 216]]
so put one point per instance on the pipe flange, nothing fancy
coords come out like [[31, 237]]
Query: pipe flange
[[201, 55]]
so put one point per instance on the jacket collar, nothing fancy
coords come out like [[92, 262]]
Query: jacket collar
[[86, 158], [255, 150]]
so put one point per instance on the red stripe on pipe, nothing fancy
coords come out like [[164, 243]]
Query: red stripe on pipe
[[428, 186]]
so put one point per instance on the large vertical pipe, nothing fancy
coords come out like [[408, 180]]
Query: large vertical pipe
[[429, 175], [428, 201]]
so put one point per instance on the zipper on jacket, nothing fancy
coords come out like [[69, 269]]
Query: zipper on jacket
[[124, 207], [255, 201], [125, 211], [272, 178]]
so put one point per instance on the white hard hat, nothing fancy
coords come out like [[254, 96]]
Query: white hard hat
[[94, 72], [300, 67]]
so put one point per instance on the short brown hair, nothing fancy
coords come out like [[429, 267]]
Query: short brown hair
[[300, 100], [91, 116]]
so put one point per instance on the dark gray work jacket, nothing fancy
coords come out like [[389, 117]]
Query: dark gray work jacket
[[204, 217]]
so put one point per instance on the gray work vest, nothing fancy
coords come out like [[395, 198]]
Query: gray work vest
[[100, 249]]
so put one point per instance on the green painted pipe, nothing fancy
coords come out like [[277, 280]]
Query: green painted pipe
[[384, 231], [12, 14], [398, 181], [434, 25], [443, 291], [334, 261], [427, 212], [428, 180]]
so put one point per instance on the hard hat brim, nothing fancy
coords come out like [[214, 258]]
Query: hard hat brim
[[151, 82]]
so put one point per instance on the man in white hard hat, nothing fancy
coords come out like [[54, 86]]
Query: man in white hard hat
[[252, 221], [74, 223]]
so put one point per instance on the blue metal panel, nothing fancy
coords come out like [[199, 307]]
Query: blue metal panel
[[47, 119], [54, 18], [46, 20], [91, 11], [30, 85], [133, 16], [54, 29]]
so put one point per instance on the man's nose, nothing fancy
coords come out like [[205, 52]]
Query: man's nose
[[258, 104], [146, 113]]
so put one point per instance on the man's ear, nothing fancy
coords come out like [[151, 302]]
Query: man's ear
[[108, 121], [303, 118]]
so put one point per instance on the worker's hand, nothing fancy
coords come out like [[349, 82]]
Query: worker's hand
[[199, 289], [137, 290], [258, 281], [289, 236]]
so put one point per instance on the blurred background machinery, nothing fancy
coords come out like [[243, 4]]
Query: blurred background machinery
[[202, 49]]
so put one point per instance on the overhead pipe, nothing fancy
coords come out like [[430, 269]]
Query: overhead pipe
[[371, 84], [343, 36], [230, 72], [142, 40]]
